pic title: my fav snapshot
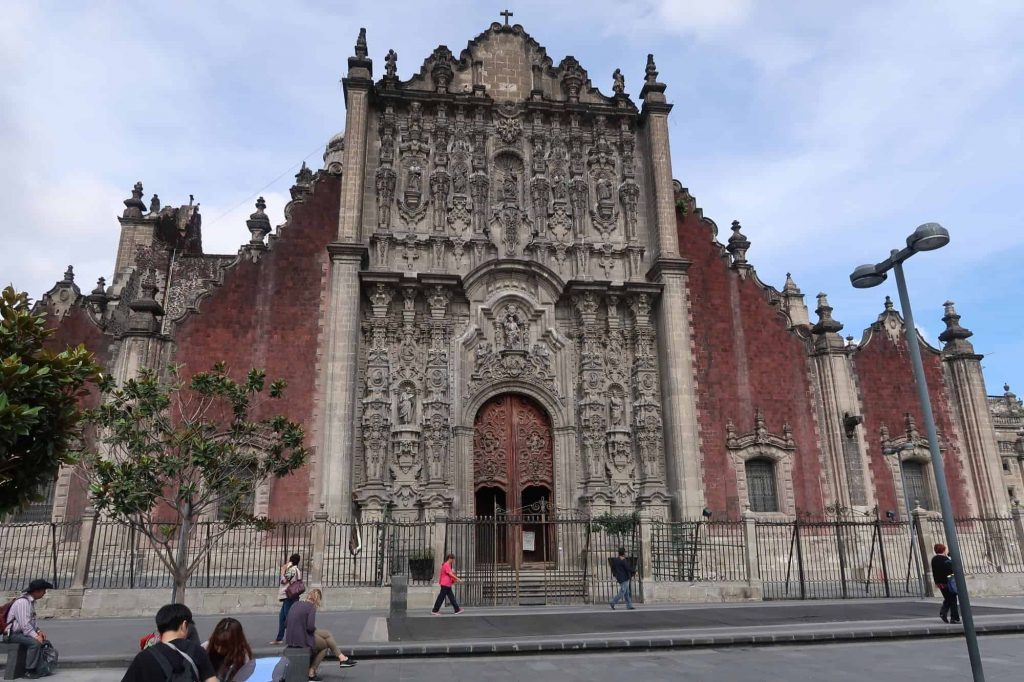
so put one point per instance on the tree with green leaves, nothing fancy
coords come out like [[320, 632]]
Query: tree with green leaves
[[40, 396], [173, 451]]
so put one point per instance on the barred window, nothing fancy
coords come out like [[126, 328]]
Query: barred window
[[40, 510], [916, 481], [1006, 447], [761, 485]]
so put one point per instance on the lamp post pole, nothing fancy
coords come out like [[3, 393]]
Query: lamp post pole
[[926, 238]]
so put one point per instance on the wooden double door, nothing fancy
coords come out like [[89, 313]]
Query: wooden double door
[[513, 473]]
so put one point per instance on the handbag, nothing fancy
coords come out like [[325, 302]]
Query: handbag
[[294, 589], [951, 585]]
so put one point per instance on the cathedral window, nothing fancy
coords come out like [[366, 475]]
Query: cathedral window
[[761, 489], [918, 490]]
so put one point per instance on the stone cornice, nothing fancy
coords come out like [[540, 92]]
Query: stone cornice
[[340, 251], [664, 265]]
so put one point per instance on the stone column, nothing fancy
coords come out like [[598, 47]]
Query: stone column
[[750, 547], [973, 419], [645, 545], [925, 543], [85, 536], [1017, 514], [440, 530], [675, 350], [137, 229], [316, 562], [839, 414], [339, 358]]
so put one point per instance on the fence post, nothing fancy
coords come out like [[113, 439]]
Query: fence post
[[750, 547], [646, 565], [85, 538], [919, 518], [316, 562], [440, 531], [1017, 514]]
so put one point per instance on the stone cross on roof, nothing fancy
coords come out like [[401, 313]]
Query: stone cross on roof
[[506, 14]]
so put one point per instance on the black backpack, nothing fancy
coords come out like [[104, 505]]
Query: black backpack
[[190, 673]]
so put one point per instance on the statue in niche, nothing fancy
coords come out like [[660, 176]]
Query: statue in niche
[[511, 187], [405, 405], [604, 191], [414, 186], [512, 327], [460, 178], [615, 405]]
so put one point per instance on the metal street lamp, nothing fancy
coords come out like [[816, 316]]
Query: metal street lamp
[[927, 237]]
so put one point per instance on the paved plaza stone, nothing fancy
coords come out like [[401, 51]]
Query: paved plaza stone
[[104, 643], [932, 660]]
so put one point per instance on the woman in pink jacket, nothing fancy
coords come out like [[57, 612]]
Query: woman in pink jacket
[[447, 579]]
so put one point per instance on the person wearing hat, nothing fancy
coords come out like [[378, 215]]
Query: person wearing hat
[[22, 628]]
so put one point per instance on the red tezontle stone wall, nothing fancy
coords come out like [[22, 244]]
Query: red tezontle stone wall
[[745, 359], [887, 391], [268, 315]]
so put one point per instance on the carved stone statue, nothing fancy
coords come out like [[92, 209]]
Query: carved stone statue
[[513, 330], [615, 409], [618, 82], [405, 406], [510, 188], [391, 64]]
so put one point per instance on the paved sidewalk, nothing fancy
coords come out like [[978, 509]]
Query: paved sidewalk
[[479, 631]]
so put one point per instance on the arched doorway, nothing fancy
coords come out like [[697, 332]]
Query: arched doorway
[[513, 479]]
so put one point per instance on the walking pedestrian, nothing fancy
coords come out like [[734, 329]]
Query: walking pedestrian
[[446, 580], [623, 573], [942, 574], [21, 626], [290, 574]]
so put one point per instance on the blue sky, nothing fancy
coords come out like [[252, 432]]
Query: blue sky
[[830, 130]]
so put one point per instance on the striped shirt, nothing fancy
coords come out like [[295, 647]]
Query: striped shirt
[[22, 616]]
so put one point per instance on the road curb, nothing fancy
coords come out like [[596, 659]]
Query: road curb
[[603, 643]]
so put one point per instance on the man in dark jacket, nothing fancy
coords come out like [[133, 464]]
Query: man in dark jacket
[[174, 653], [942, 574], [622, 572]]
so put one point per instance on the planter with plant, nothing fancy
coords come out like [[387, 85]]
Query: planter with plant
[[421, 564]]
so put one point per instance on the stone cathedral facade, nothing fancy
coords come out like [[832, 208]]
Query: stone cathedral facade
[[494, 296]]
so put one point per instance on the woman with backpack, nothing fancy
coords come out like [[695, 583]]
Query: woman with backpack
[[290, 588]]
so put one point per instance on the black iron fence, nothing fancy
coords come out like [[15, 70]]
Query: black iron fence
[[690, 551], [838, 559], [988, 545], [541, 558], [38, 550], [367, 555]]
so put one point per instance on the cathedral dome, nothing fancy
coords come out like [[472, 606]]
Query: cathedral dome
[[334, 154]]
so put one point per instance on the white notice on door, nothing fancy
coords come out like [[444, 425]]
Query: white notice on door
[[529, 540]]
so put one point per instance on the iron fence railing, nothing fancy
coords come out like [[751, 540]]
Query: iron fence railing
[[987, 544], [690, 551], [837, 559], [38, 550], [528, 558]]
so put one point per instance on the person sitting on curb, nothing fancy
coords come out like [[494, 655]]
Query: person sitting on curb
[[174, 653], [21, 628]]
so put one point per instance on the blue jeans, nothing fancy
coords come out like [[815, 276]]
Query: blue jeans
[[32, 654], [286, 606], [623, 594]]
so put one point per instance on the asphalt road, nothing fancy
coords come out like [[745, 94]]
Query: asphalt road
[[937, 660]]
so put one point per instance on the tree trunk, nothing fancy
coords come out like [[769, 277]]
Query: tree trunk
[[181, 558]]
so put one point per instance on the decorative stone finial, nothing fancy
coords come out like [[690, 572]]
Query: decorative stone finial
[[361, 50], [888, 304], [99, 294], [825, 324], [69, 275], [305, 176], [651, 71], [955, 337], [101, 287], [360, 65], [133, 206], [738, 245], [145, 309], [790, 288], [618, 82], [154, 204], [258, 223], [391, 65]]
